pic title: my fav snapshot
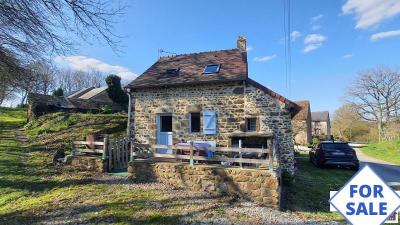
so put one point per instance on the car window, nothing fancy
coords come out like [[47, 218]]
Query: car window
[[335, 146]]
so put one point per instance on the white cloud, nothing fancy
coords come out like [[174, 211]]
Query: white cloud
[[369, 13], [314, 38], [249, 48], [83, 63], [311, 47], [294, 35], [386, 34], [347, 56], [316, 18], [264, 58], [313, 42]]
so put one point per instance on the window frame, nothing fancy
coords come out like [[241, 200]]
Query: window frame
[[172, 72], [217, 70], [190, 123], [247, 124]]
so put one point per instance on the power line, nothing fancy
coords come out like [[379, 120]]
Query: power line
[[287, 48]]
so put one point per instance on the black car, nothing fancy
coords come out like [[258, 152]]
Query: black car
[[334, 154]]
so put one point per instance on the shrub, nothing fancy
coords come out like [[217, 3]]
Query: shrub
[[115, 91], [58, 92]]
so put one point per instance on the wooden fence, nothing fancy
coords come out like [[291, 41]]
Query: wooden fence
[[224, 156], [114, 151]]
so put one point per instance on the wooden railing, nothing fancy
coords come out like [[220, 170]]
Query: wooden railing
[[268, 161], [81, 147], [115, 151]]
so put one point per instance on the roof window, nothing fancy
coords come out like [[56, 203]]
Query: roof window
[[172, 72], [211, 68]]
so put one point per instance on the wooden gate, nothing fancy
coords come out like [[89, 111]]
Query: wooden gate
[[118, 153]]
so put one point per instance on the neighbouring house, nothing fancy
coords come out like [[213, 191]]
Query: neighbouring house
[[301, 123], [85, 100], [209, 96], [321, 124], [98, 94]]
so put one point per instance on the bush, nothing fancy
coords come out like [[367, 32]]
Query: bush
[[115, 91], [58, 92]]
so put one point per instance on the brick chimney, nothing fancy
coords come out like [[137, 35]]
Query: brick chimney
[[241, 43]]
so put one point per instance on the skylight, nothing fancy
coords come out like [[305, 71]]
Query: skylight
[[212, 68]]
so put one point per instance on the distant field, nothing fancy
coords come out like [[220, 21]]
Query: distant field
[[387, 151]]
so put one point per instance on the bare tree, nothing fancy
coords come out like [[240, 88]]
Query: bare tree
[[376, 93], [71, 80], [31, 28], [347, 123]]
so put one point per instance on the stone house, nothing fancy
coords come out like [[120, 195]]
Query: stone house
[[301, 123], [208, 96], [321, 124]]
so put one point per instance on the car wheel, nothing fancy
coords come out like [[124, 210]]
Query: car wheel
[[356, 167]]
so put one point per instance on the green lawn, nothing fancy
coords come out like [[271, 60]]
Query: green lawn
[[387, 151], [307, 195]]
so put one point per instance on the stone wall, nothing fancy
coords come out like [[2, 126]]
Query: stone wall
[[260, 186], [90, 163], [233, 103]]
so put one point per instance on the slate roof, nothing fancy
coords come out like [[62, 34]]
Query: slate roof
[[92, 93], [305, 109], [320, 116], [233, 68], [63, 102], [79, 93]]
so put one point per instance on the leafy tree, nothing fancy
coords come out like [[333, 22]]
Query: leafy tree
[[115, 91], [58, 92]]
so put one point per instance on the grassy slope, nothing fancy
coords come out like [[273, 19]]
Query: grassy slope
[[308, 194], [387, 151], [33, 190], [56, 129]]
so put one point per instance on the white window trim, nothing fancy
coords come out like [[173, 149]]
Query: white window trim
[[204, 70]]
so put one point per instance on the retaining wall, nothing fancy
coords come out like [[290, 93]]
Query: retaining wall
[[260, 186]]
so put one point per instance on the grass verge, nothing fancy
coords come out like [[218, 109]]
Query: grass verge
[[307, 194], [388, 151]]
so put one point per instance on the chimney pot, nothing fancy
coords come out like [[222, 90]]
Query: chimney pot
[[241, 43]]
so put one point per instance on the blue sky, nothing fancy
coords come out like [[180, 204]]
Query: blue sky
[[332, 41]]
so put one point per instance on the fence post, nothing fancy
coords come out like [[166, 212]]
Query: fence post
[[106, 153], [271, 155], [240, 153], [191, 154], [131, 150]]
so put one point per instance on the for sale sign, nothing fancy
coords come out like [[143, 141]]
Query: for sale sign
[[366, 199]]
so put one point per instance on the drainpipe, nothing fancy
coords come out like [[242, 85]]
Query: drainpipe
[[128, 126]]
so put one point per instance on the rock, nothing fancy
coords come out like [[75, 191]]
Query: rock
[[59, 153]]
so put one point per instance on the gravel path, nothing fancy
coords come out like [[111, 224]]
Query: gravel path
[[201, 208]]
